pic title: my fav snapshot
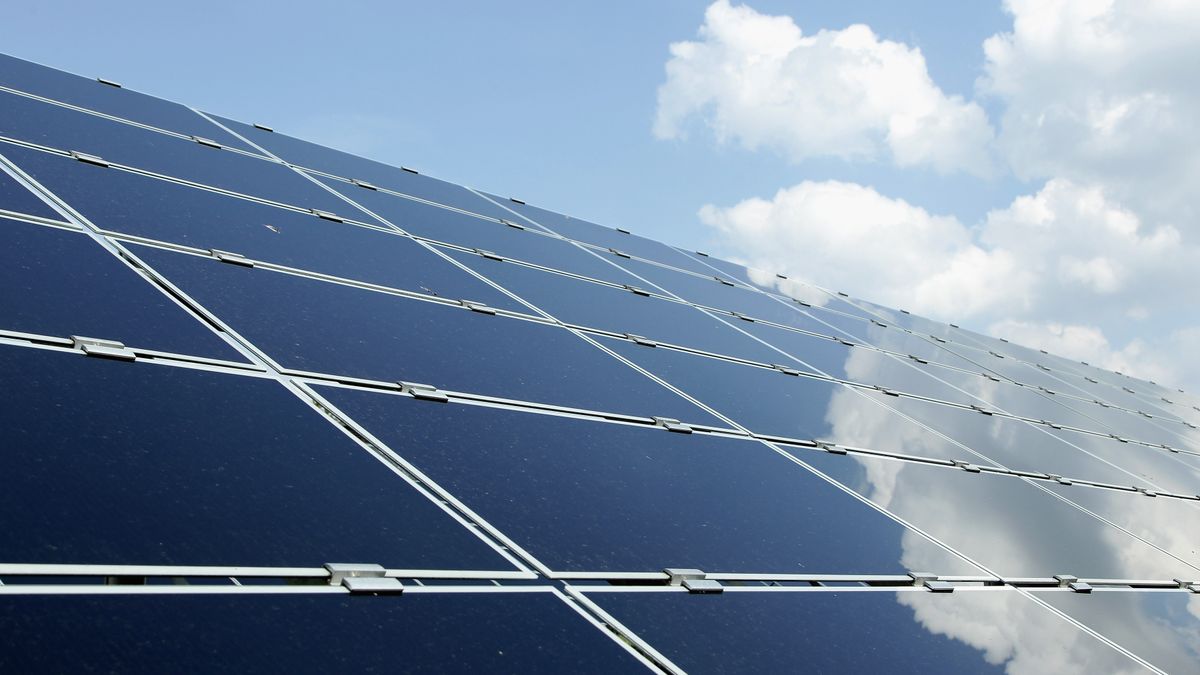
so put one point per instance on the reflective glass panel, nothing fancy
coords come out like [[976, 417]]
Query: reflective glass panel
[[18, 198], [64, 129], [582, 495], [320, 633], [1008, 525], [116, 101], [131, 203], [134, 464], [313, 325], [63, 283], [1162, 628], [911, 631]]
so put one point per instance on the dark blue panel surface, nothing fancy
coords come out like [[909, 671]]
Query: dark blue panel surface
[[829, 357], [590, 496], [64, 129], [1010, 526], [770, 402], [896, 340], [594, 305], [63, 283], [860, 632], [1162, 628], [338, 163], [116, 101], [16, 197], [412, 633], [140, 205], [109, 462], [320, 326], [607, 237], [452, 227]]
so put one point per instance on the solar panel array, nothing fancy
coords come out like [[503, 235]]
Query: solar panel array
[[267, 405]]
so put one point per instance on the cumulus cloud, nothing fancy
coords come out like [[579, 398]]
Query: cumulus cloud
[[759, 81], [1102, 91]]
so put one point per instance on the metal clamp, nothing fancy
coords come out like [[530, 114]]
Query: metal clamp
[[643, 341], [488, 254], [90, 159], [743, 317], [724, 281], [511, 224], [425, 392], [363, 184], [477, 307], [635, 290], [111, 83], [785, 370], [622, 230], [264, 127], [619, 254], [105, 349], [693, 580], [207, 142], [326, 215], [231, 258], [671, 424], [362, 578]]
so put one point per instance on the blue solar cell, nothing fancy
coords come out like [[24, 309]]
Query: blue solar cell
[[124, 463], [16, 197], [350, 167], [590, 496], [131, 203], [57, 127], [910, 631], [607, 237], [320, 326], [597, 306], [63, 283], [527, 632], [1011, 527], [116, 101]]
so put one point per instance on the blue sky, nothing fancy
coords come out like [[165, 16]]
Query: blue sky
[[1044, 194]]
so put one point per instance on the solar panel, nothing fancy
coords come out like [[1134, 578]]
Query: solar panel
[[268, 405]]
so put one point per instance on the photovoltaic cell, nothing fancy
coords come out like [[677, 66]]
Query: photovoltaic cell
[[776, 631], [590, 496], [54, 126], [144, 206], [131, 464], [415, 632], [311, 325], [116, 101], [16, 197], [63, 283]]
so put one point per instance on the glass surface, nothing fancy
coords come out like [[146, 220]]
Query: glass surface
[[313, 325], [140, 205], [116, 101], [1167, 522], [63, 283], [413, 632], [18, 198], [327, 160], [895, 340], [1009, 526], [884, 631], [582, 495], [607, 237], [804, 408], [65, 129], [1162, 628], [452, 227], [830, 357], [588, 304], [1156, 467], [133, 464], [712, 293], [1009, 442]]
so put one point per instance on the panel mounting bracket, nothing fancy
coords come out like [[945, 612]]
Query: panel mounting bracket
[[362, 578], [1080, 587], [635, 290], [643, 341], [785, 370], [512, 224], [703, 586], [673, 425], [477, 307], [231, 258], [90, 159], [326, 215], [363, 184], [677, 575], [105, 349], [724, 281], [981, 410], [618, 253], [622, 230], [935, 586], [207, 142], [743, 317], [488, 254], [264, 127], [424, 392], [920, 578], [111, 83], [1065, 579], [412, 171], [967, 466]]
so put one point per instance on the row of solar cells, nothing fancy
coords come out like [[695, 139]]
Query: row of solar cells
[[594, 497]]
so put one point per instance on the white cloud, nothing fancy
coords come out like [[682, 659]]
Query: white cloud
[[759, 81], [1102, 91]]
